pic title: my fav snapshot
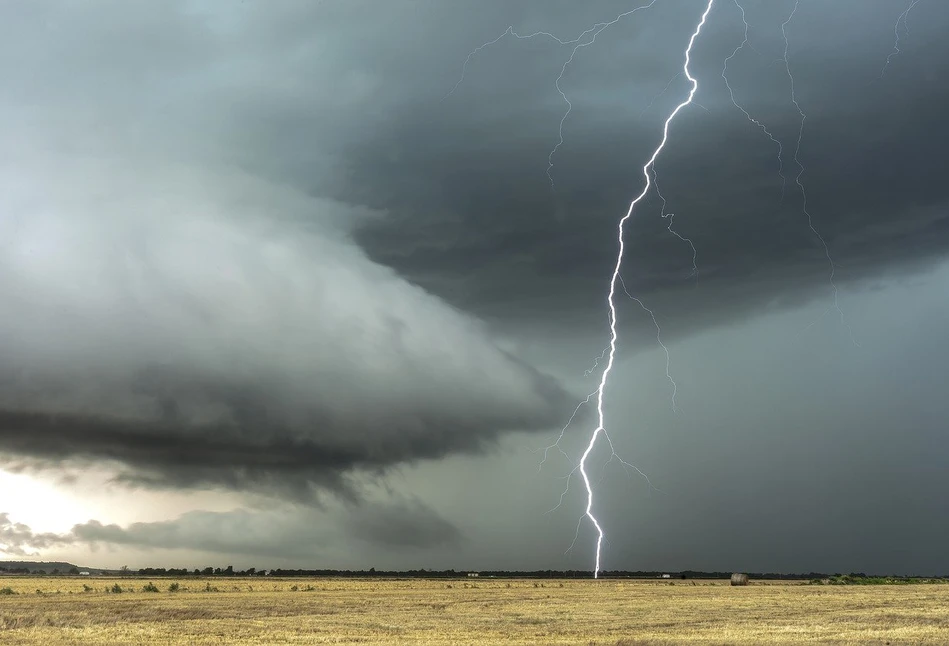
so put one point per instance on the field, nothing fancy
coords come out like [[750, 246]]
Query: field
[[263, 610]]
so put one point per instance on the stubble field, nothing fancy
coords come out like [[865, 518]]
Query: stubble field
[[262, 610]]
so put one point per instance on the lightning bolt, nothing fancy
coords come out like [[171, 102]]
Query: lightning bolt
[[896, 35], [800, 174], [647, 175], [585, 39]]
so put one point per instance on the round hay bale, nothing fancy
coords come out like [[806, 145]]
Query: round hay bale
[[739, 579]]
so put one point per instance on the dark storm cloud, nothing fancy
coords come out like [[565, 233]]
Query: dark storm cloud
[[194, 322], [214, 350], [472, 217]]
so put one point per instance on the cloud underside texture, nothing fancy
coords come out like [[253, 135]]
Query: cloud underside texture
[[190, 293], [160, 322]]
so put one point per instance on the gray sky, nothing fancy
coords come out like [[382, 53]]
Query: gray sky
[[276, 298]]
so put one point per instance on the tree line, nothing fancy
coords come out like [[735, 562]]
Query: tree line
[[424, 573]]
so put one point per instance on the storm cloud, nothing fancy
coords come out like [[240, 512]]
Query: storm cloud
[[196, 323], [867, 143], [158, 327], [260, 248]]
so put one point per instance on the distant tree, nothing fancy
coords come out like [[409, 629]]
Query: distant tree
[[208, 571], [74, 570], [124, 569], [229, 570]]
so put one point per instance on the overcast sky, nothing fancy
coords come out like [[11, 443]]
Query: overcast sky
[[294, 284]]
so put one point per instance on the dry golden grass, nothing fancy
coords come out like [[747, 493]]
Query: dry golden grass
[[56, 611]]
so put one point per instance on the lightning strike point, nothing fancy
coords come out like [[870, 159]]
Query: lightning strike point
[[647, 176], [586, 39]]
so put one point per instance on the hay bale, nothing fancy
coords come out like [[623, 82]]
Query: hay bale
[[739, 579]]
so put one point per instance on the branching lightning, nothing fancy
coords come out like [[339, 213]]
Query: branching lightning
[[596, 29], [596, 362], [695, 267], [750, 118], [800, 173], [798, 181], [896, 35], [579, 42], [657, 97], [556, 445], [675, 387]]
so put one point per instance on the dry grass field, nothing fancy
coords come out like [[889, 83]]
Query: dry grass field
[[56, 611]]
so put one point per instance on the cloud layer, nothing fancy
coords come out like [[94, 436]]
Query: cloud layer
[[210, 328], [303, 533]]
